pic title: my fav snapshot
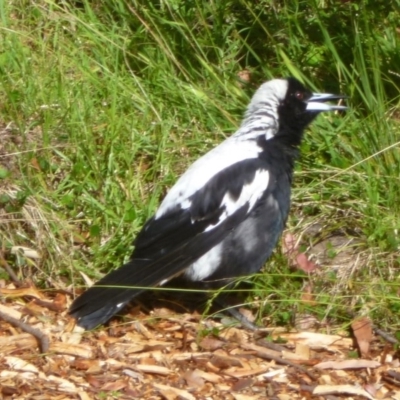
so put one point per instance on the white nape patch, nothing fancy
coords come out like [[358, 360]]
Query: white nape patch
[[261, 117], [229, 152], [205, 265], [263, 122], [272, 92], [250, 194]]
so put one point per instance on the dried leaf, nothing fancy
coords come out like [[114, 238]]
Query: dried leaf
[[341, 389], [296, 259], [242, 384], [303, 263], [183, 394], [208, 376], [225, 362], [93, 381], [362, 329], [211, 344], [153, 369], [348, 364], [90, 366], [114, 386], [21, 292], [58, 304], [193, 379]]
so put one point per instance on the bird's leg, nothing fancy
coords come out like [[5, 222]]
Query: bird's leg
[[236, 314]]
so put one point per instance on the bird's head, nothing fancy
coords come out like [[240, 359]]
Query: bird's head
[[290, 105], [298, 106]]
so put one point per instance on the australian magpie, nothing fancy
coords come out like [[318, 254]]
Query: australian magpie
[[225, 214]]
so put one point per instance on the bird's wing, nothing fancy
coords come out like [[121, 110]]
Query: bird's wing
[[240, 184], [170, 243]]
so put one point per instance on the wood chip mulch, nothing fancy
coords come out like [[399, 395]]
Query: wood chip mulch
[[164, 355]]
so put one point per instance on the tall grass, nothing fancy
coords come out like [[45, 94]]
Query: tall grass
[[103, 105]]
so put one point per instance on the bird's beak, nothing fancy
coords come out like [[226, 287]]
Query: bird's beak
[[317, 102]]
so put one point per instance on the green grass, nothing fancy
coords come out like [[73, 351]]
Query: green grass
[[103, 106]]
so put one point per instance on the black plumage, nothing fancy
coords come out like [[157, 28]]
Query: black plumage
[[224, 216]]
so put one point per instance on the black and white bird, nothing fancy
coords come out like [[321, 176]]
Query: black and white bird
[[225, 214]]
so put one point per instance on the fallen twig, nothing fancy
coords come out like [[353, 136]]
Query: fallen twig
[[270, 345], [267, 355], [281, 361], [389, 338], [392, 377], [9, 270], [43, 340]]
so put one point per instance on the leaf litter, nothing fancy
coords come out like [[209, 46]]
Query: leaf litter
[[180, 356]]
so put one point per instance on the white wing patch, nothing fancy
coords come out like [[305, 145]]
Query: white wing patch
[[250, 193], [229, 152], [209, 262], [261, 119]]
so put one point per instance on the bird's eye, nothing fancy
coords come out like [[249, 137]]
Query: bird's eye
[[299, 95]]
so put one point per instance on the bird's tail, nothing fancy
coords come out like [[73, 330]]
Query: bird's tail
[[109, 295], [99, 303]]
